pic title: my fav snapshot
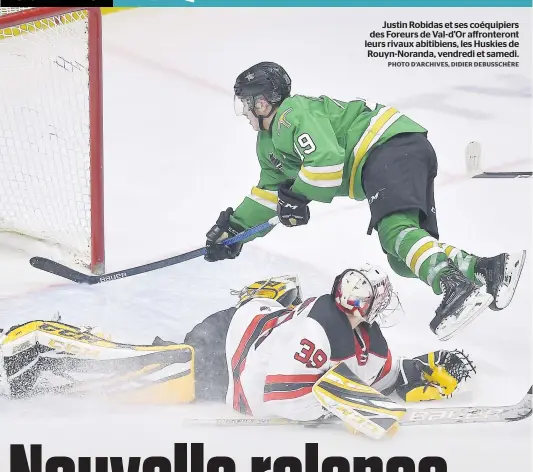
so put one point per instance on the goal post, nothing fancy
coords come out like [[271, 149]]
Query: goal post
[[51, 130]]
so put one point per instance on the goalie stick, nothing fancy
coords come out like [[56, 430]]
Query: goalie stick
[[413, 416], [61, 270]]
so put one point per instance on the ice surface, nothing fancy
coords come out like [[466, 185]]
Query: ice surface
[[175, 156]]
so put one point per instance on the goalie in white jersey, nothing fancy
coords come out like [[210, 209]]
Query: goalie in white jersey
[[304, 360], [271, 355]]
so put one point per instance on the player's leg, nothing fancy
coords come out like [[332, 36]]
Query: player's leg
[[464, 261], [400, 267], [413, 252], [398, 178], [499, 274]]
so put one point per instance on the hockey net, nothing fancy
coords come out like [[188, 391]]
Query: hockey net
[[51, 130]]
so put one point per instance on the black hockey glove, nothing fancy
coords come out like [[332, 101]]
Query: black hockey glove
[[223, 229], [292, 207]]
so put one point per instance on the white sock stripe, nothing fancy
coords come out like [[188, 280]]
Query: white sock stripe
[[463, 263], [400, 238], [434, 271], [432, 263], [424, 256], [433, 259], [416, 246], [454, 253]]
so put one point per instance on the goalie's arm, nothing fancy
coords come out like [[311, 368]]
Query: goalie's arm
[[303, 384]]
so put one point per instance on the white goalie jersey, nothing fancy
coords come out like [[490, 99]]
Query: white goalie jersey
[[275, 355]]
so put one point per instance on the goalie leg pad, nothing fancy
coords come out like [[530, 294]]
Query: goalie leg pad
[[52, 357], [359, 406], [164, 384]]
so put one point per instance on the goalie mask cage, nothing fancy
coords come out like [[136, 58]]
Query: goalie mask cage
[[51, 129]]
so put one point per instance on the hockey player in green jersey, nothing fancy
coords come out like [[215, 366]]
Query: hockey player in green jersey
[[318, 148]]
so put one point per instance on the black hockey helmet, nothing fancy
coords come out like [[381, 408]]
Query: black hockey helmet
[[266, 80]]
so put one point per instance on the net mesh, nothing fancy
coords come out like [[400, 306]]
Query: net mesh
[[45, 132]]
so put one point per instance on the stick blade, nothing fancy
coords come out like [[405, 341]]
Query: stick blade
[[524, 408], [503, 175], [481, 414], [61, 270]]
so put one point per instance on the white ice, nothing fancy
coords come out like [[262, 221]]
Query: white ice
[[175, 156]]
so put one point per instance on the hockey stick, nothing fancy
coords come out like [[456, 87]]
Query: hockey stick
[[413, 416], [503, 175], [79, 277]]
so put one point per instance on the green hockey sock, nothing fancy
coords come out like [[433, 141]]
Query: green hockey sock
[[464, 261], [401, 236]]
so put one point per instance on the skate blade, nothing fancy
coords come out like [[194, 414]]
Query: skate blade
[[513, 270], [475, 306]]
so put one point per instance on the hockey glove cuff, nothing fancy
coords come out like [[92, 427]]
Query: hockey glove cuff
[[223, 229], [432, 376], [292, 206]]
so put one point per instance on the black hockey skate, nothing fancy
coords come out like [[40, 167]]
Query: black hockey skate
[[462, 302], [500, 275]]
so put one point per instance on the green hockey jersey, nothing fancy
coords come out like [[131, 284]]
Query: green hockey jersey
[[321, 144]]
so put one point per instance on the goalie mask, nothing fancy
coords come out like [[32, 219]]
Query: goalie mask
[[364, 293]]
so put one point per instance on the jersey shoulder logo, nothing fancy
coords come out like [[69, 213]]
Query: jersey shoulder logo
[[282, 121]]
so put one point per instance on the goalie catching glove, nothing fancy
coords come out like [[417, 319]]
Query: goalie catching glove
[[432, 376]]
